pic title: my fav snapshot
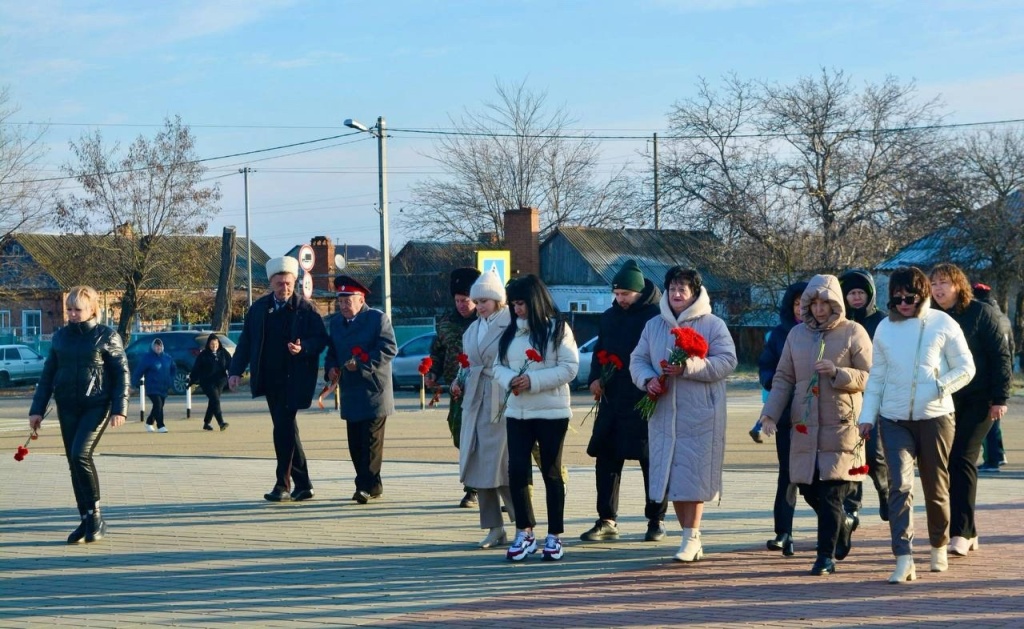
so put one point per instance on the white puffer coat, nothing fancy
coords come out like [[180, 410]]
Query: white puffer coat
[[548, 397]]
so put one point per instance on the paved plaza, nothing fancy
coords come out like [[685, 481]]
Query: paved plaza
[[193, 544]]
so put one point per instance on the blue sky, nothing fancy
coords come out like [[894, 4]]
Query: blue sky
[[254, 74]]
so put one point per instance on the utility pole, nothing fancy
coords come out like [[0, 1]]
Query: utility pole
[[248, 239], [657, 208], [385, 240]]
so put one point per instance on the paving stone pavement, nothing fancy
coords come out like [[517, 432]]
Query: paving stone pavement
[[193, 544]]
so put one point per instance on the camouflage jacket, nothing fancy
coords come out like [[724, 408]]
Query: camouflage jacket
[[447, 346]]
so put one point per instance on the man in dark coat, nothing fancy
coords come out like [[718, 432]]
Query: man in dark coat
[[445, 350], [362, 346], [620, 433], [859, 293], [281, 341], [994, 454]]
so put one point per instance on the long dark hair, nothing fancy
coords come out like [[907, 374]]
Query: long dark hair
[[540, 314]]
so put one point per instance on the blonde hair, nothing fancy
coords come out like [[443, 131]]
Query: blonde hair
[[82, 296]]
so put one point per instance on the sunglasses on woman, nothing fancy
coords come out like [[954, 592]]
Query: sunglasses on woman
[[907, 300]]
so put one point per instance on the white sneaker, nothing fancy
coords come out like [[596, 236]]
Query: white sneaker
[[162, 429], [524, 544], [495, 537], [940, 561], [150, 428], [959, 546], [690, 549], [553, 550]]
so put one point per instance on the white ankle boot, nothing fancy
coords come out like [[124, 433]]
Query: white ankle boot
[[495, 537], [960, 546], [905, 570], [690, 549], [940, 562]]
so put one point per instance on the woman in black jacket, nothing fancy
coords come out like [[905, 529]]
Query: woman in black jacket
[[210, 372], [979, 403], [86, 372]]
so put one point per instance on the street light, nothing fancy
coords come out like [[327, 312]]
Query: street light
[[379, 131]]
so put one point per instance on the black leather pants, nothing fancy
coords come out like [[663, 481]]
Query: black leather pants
[[81, 430]]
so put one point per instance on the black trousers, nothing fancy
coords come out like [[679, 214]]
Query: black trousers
[[609, 476], [81, 430], [156, 412], [366, 449], [878, 470], [549, 434], [213, 405], [971, 428], [826, 497], [785, 491], [292, 471]]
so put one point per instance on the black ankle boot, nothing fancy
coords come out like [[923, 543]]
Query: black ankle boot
[[787, 548], [823, 565], [78, 534], [95, 527], [779, 543]]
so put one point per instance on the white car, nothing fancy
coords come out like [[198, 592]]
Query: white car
[[405, 366], [19, 364], [586, 353]]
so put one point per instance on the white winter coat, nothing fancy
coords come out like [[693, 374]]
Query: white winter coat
[[918, 364], [548, 397], [687, 430]]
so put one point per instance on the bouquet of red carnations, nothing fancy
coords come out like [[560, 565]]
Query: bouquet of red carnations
[[687, 342], [610, 363]]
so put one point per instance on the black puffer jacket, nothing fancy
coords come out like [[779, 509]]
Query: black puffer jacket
[[210, 370], [86, 368], [990, 349], [768, 361], [619, 430]]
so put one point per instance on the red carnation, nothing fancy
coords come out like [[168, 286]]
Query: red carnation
[[534, 355], [615, 361], [801, 428], [463, 361], [425, 365], [690, 342], [602, 357], [21, 453]]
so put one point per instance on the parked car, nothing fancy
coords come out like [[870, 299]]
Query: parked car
[[586, 353], [19, 364], [405, 366], [182, 345]]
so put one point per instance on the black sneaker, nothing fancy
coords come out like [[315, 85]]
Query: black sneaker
[[601, 530], [207, 427], [756, 436], [655, 531]]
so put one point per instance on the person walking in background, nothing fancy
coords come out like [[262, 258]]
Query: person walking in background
[[822, 371], [86, 373], [483, 451], [445, 350], [362, 346], [537, 359], [919, 359], [282, 338], [859, 293], [686, 431], [994, 455], [785, 491], [620, 433], [159, 371], [210, 372], [979, 403]]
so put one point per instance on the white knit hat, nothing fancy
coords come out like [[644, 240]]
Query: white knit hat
[[488, 286], [284, 264]]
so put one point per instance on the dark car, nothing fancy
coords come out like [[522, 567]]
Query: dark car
[[182, 346], [405, 366]]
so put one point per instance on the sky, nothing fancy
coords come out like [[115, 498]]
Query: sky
[[250, 75]]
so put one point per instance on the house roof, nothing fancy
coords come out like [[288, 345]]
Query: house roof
[[655, 251], [947, 244], [60, 257]]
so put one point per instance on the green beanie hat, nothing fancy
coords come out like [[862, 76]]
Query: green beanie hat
[[629, 277]]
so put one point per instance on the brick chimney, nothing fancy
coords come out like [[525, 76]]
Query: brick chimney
[[323, 263], [522, 237]]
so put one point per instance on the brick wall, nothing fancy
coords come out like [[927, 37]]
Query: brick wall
[[522, 237]]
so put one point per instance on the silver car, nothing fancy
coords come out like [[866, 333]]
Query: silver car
[[586, 354], [19, 364], [405, 366]]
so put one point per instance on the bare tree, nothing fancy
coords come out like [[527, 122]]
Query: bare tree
[[813, 173], [142, 200], [26, 192], [513, 154]]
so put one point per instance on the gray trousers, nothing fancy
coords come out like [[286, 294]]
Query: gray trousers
[[490, 506], [929, 442]]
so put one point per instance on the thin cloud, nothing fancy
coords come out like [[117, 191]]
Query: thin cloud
[[311, 59]]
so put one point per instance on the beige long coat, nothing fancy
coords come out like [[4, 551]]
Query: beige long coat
[[483, 444], [830, 443]]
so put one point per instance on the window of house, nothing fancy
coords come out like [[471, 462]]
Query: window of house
[[31, 322], [579, 306], [5, 321]]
